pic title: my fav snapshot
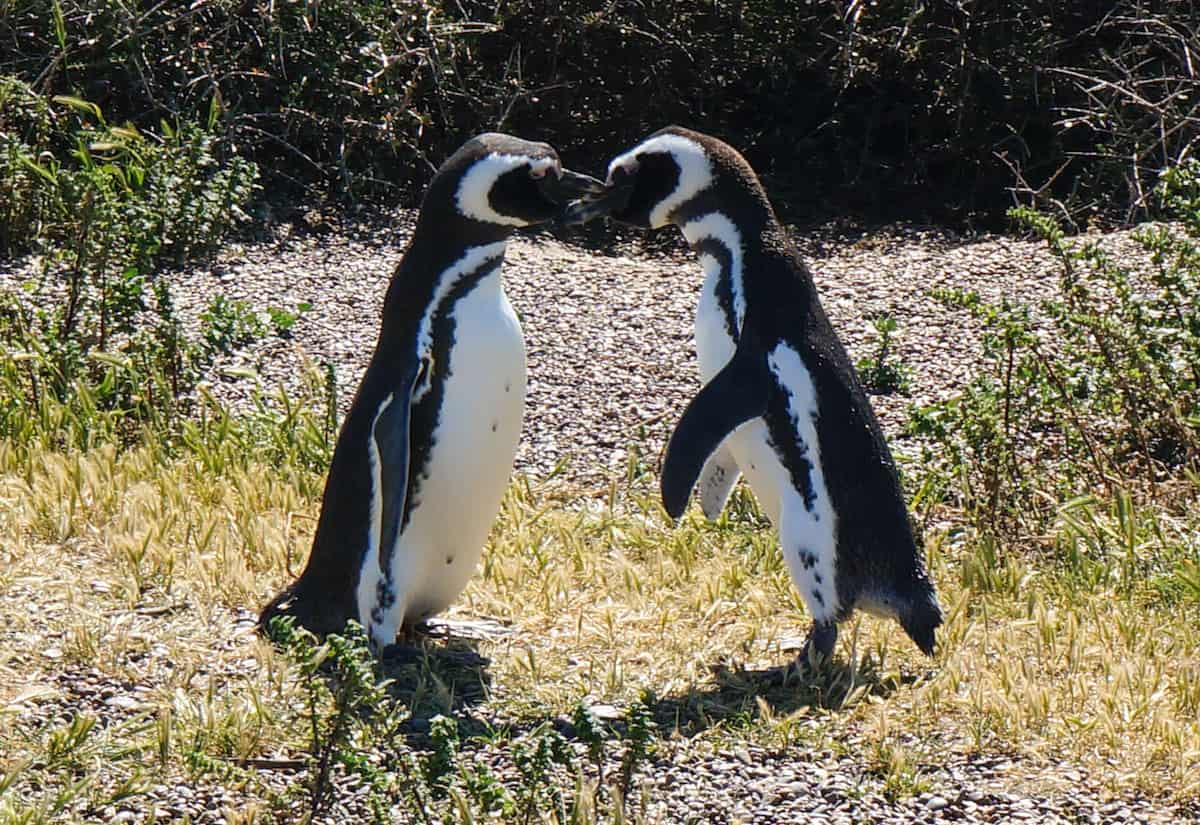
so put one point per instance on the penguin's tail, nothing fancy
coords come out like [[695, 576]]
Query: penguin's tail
[[920, 618]]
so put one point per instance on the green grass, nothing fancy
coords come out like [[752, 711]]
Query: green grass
[[1081, 650]]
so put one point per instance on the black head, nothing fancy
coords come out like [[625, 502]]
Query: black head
[[507, 182], [647, 184]]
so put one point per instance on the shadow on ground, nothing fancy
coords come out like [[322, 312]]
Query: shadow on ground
[[445, 675], [740, 695]]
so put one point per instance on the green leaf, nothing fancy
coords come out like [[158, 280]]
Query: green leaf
[[60, 26], [214, 111], [80, 105], [40, 170]]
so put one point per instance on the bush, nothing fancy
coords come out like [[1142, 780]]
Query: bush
[[913, 110], [336, 94], [105, 206], [1102, 386]]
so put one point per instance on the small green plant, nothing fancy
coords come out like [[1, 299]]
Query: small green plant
[[230, 324], [535, 756], [283, 320], [592, 732], [348, 710], [883, 372], [640, 729], [1101, 382], [443, 760]]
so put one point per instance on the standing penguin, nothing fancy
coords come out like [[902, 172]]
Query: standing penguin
[[781, 402], [426, 450]]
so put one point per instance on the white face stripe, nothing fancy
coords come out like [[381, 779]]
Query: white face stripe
[[808, 536], [719, 227], [695, 171], [472, 259], [473, 189]]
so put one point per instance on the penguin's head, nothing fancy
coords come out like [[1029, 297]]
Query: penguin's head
[[646, 185], [506, 182]]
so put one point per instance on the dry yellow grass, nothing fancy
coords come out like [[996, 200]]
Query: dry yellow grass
[[147, 567]]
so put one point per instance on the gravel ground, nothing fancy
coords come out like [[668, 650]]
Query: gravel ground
[[686, 780], [610, 364], [609, 336]]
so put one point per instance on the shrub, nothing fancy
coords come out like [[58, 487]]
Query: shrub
[[1104, 388], [884, 372], [104, 209], [909, 110]]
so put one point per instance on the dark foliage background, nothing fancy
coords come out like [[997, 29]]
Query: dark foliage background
[[917, 109]]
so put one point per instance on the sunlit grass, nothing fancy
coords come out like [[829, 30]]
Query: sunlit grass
[[148, 565]]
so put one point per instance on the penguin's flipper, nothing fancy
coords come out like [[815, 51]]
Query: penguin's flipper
[[391, 435], [737, 394], [717, 478]]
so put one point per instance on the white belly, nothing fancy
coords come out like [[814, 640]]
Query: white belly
[[748, 443], [807, 536], [475, 442]]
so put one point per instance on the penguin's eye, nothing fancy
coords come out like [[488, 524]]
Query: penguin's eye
[[620, 174]]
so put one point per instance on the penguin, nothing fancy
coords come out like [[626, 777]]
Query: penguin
[[781, 403], [426, 449]]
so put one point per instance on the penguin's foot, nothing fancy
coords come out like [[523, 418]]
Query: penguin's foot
[[818, 647], [402, 653], [320, 617], [409, 653], [409, 645], [423, 630]]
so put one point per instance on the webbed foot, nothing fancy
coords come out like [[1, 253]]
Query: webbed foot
[[818, 648]]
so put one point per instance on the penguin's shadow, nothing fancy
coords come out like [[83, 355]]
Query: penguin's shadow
[[432, 676], [739, 695]]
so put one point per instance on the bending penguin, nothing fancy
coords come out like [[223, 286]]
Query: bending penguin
[[781, 402], [427, 447]]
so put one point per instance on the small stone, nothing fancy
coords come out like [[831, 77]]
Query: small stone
[[606, 713], [123, 703], [936, 803]]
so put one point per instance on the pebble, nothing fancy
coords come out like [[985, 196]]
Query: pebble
[[936, 803], [124, 703]]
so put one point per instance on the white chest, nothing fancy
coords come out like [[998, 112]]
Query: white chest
[[714, 346], [469, 464]]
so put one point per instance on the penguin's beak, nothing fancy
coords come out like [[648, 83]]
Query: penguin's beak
[[612, 199], [569, 186]]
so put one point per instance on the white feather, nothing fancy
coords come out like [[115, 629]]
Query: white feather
[[695, 171], [803, 528], [472, 259], [476, 184], [719, 227], [717, 479], [468, 469], [368, 580]]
